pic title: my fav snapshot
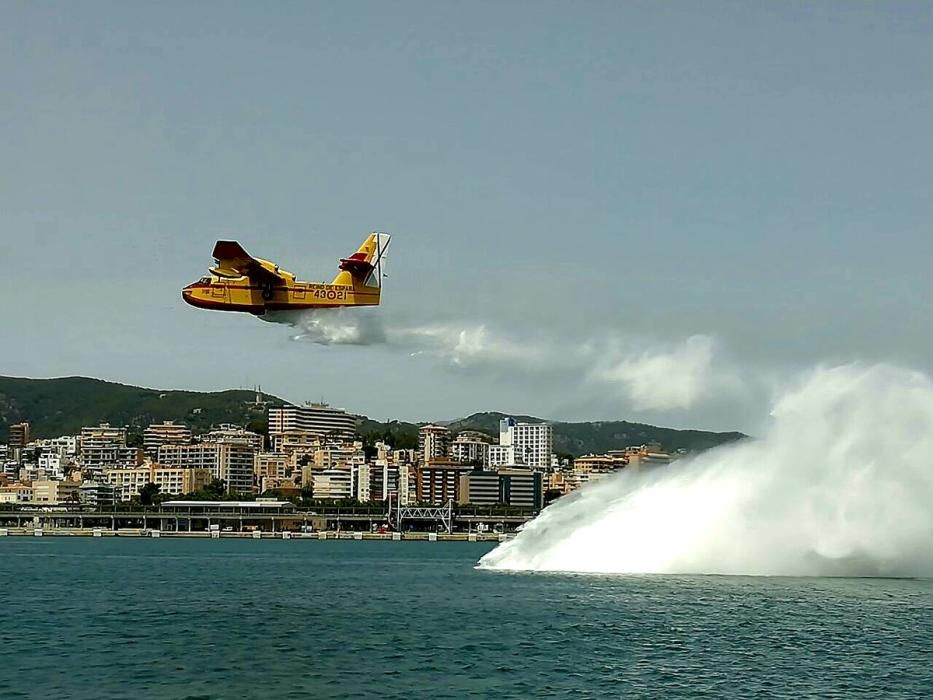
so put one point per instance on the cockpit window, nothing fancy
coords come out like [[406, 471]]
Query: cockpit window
[[205, 280]]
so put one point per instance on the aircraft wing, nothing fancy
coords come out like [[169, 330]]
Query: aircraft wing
[[234, 261]]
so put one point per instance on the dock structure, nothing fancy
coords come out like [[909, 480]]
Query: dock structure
[[229, 518], [397, 514]]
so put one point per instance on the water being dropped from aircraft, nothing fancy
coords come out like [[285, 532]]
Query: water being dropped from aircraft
[[332, 326], [840, 484]]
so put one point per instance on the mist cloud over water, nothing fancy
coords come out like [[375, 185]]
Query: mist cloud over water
[[839, 480], [645, 374], [840, 483]]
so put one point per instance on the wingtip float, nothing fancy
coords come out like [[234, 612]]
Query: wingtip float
[[241, 282]]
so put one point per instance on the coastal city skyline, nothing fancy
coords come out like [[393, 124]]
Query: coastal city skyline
[[312, 451]]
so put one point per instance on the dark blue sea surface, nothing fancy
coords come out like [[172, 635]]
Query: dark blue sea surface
[[138, 618]]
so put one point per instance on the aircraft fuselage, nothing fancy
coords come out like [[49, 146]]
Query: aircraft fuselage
[[244, 294]]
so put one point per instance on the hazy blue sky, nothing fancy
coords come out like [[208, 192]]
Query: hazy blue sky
[[754, 173]]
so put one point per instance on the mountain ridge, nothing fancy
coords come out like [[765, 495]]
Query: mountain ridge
[[63, 405]]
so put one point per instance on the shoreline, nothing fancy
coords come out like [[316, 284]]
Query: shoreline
[[321, 535]]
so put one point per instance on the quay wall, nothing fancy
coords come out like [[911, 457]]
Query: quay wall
[[321, 535]]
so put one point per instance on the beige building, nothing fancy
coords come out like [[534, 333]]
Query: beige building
[[172, 481], [53, 491], [433, 441], [297, 441], [401, 457], [16, 493], [647, 456], [345, 455], [565, 482], [599, 464], [234, 463], [273, 465], [284, 486]]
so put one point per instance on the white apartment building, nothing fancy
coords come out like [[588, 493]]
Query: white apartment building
[[229, 434], [103, 447], [49, 466], [407, 485], [65, 446], [470, 449], [528, 444], [336, 484]]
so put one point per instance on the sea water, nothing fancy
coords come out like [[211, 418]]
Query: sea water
[[135, 618]]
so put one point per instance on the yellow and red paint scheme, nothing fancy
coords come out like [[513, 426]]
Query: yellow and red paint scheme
[[240, 282]]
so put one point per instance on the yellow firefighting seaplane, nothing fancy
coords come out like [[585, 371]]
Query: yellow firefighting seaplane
[[240, 282]]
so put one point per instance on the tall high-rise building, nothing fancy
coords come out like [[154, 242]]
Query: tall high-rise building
[[528, 444], [439, 481], [166, 433], [375, 481], [313, 418], [433, 441], [407, 485], [19, 436]]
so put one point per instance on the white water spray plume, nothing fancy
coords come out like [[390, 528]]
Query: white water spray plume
[[331, 326], [646, 374], [840, 484]]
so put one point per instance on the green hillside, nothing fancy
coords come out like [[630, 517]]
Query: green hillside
[[600, 436], [569, 438], [63, 406]]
